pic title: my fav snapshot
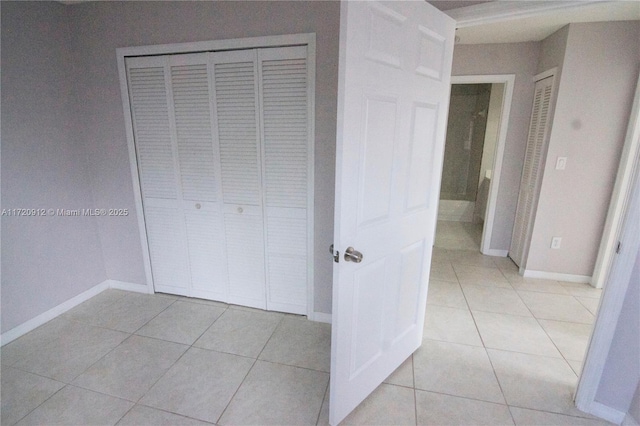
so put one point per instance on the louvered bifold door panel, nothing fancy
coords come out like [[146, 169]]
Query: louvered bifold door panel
[[198, 164], [284, 89], [235, 79], [531, 172], [150, 112]]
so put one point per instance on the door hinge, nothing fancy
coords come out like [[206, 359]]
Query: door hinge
[[619, 247], [336, 255]]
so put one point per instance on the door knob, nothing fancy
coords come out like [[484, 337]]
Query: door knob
[[352, 255]]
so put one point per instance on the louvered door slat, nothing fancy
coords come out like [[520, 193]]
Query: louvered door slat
[[235, 94], [190, 88], [150, 114]]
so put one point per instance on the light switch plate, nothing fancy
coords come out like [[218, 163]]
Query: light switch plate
[[561, 163], [555, 242]]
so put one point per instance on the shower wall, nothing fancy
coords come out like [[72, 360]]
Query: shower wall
[[463, 150]]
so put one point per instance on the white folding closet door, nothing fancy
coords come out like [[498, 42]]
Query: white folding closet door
[[284, 96], [178, 166], [199, 172], [148, 94], [235, 77], [223, 147], [531, 172]]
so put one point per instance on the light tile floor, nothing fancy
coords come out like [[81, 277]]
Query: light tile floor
[[497, 349]]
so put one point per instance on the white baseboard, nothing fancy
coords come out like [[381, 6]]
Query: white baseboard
[[496, 252], [123, 285], [557, 276], [33, 323], [607, 413], [321, 317]]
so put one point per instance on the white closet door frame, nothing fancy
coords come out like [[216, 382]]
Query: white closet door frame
[[306, 39]]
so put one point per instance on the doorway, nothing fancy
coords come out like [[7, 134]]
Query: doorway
[[476, 132]]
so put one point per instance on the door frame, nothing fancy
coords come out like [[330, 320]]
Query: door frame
[[304, 39], [490, 211]]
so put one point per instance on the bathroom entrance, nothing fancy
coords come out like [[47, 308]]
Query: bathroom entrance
[[473, 151]]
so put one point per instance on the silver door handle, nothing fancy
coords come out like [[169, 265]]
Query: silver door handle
[[352, 255]]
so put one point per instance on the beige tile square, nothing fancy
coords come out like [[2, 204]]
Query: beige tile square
[[456, 369], [131, 312], [131, 369], [480, 275], [523, 416], [403, 376], [275, 394], [182, 322], [494, 299], [536, 382], [240, 332], [444, 293], [77, 347], [439, 409], [300, 343], [505, 264], [87, 310], [442, 271], [440, 254], [471, 258], [450, 325], [514, 333], [141, 415], [571, 339], [35, 341], [199, 385], [582, 289], [556, 307], [387, 405], [590, 303], [75, 406], [22, 392], [536, 285]]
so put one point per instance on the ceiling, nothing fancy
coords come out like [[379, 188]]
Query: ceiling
[[533, 26]]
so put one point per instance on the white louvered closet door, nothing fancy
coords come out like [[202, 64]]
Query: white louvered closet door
[[179, 171], [235, 77], [155, 149], [284, 95], [532, 172]]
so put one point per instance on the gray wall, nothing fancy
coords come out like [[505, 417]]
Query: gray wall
[[45, 260], [520, 59], [621, 374], [595, 94], [64, 141]]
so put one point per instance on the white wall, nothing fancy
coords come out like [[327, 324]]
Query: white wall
[[45, 260], [520, 59], [594, 99], [634, 410]]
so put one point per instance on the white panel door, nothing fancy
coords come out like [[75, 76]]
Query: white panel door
[[532, 172], [393, 95]]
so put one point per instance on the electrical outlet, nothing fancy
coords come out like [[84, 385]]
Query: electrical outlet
[[561, 163], [555, 242]]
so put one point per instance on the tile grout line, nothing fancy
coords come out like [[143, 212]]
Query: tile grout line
[[255, 361]]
